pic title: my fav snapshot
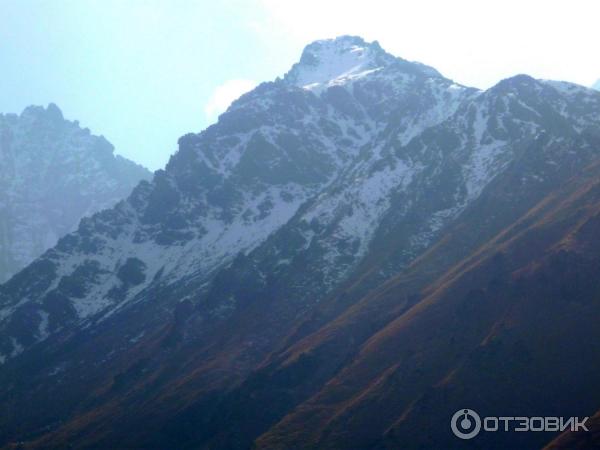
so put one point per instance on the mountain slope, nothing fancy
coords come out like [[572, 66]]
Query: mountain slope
[[253, 270], [53, 173], [495, 333], [232, 186]]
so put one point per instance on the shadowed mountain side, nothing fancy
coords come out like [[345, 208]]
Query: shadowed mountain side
[[579, 440], [496, 334]]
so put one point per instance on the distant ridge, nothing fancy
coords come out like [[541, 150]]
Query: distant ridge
[[52, 173]]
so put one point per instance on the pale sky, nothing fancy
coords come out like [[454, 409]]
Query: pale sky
[[144, 72]]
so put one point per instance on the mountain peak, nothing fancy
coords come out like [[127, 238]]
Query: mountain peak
[[596, 85], [334, 61], [52, 112]]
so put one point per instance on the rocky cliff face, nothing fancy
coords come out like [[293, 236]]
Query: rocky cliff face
[[52, 174], [274, 248]]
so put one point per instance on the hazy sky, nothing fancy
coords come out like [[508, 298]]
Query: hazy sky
[[144, 72]]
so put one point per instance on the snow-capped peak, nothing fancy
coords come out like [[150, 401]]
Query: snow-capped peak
[[329, 62], [596, 85]]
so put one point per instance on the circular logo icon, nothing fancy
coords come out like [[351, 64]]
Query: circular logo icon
[[466, 424]]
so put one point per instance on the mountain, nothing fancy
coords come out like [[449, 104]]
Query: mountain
[[596, 85], [350, 254], [53, 173]]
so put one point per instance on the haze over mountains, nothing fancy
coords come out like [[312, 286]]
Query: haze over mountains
[[52, 173], [351, 254]]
